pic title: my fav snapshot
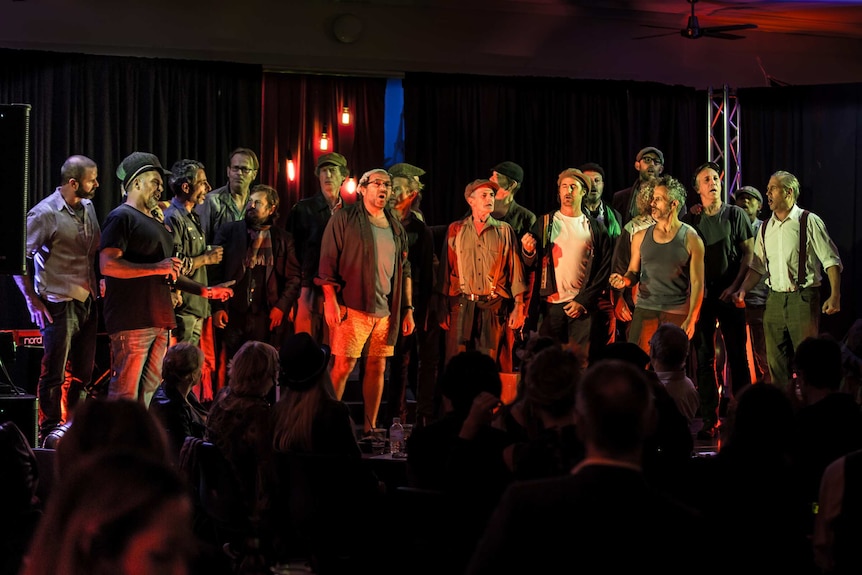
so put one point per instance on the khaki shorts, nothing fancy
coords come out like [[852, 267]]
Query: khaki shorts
[[358, 328]]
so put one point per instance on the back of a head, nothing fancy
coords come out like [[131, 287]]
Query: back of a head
[[254, 369], [626, 351], [761, 422], [819, 363], [669, 347], [614, 406], [467, 375], [110, 425], [551, 382], [104, 504]]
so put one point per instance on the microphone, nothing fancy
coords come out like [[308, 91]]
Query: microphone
[[177, 253]]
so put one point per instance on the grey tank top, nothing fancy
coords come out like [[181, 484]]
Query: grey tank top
[[664, 282]]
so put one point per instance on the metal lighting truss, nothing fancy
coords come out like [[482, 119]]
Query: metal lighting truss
[[722, 136]]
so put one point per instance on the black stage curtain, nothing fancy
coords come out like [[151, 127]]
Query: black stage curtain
[[459, 127], [297, 107], [107, 107], [815, 133]]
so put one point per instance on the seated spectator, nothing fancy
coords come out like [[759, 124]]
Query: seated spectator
[[174, 404], [829, 423], [100, 425], [116, 513], [609, 519], [545, 417], [838, 523], [668, 353], [750, 489], [239, 420]]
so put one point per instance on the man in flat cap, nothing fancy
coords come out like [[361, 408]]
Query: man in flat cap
[[306, 222], [649, 163], [137, 262], [573, 253], [509, 176], [417, 352], [750, 200], [481, 275]]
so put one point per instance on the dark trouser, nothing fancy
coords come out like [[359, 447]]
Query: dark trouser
[[245, 326], [732, 321], [787, 320], [603, 327], [405, 354], [574, 332], [475, 326], [189, 328], [69, 339], [754, 318]]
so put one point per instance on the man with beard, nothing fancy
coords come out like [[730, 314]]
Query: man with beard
[[573, 252], [667, 262], [365, 276], [188, 181], [228, 203], [306, 222], [61, 287], [261, 259], [136, 260], [509, 176], [728, 241], [649, 164], [481, 277]]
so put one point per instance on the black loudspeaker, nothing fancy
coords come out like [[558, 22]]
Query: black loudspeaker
[[23, 411], [15, 151]]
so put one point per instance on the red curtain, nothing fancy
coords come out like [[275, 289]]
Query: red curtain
[[297, 108]]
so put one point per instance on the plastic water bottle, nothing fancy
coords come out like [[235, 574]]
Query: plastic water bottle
[[396, 438]]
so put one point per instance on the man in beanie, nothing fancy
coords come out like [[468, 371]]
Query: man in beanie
[[508, 176], [306, 222], [481, 276], [573, 251], [137, 262]]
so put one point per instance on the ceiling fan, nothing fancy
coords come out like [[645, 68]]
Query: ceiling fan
[[693, 29]]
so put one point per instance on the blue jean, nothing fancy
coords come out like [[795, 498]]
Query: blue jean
[[136, 363], [69, 342]]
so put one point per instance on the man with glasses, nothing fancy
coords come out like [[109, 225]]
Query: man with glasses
[[227, 203], [306, 222], [573, 251], [61, 288], [649, 164], [481, 277], [365, 277], [261, 259]]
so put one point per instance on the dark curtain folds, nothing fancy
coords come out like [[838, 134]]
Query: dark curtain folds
[[458, 127], [296, 108], [815, 133], [107, 107]]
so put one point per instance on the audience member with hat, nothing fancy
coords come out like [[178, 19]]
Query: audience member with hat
[[510, 176], [306, 222], [488, 253]]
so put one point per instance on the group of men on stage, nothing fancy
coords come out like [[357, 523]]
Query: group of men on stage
[[366, 278]]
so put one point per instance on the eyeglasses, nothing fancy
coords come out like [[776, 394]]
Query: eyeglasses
[[381, 184], [650, 161], [244, 170]]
